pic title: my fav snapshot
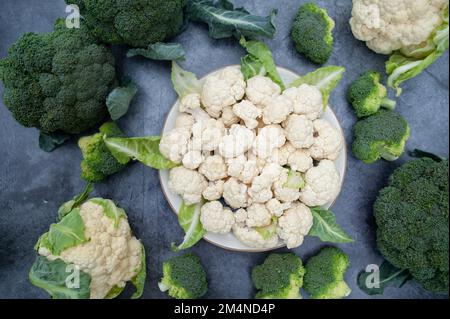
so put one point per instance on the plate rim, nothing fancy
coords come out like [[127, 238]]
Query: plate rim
[[250, 249]]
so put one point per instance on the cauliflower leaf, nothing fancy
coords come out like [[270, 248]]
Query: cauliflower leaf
[[189, 219], [79, 199], [139, 280], [160, 51], [326, 228], [110, 210], [184, 82]]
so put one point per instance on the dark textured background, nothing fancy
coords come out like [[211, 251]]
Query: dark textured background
[[34, 183]]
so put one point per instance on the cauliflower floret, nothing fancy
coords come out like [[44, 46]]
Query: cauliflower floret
[[222, 89], [238, 141], [260, 90], [228, 116], [300, 160], [215, 218], [236, 165], [246, 111], [213, 168], [390, 25], [249, 172], [322, 184], [190, 102], [214, 190], [235, 193], [251, 238], [276, 208], [192, 159], [260, 162], [294, 225], [185, 120], [269, 138], [261, 188], [284, 192], [187, 183], [207, 135], [328, 141], [240, 216], [258, 216], [281, 155], [277, 110], [299, 131], [307, 100], [174, 144]]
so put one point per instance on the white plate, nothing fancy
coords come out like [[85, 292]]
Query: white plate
[[228, 241]]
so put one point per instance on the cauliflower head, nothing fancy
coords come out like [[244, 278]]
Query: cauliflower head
[[277, 109], [299, 131], [306, 100], [238, 141], [322, 184], [235, 193], [248, 112], [327, 142], [260, 90], [187, 183], [268, 139], [295, 224], [215, 218], [213, 168], [214, 191], [252, 238], [174, 144]]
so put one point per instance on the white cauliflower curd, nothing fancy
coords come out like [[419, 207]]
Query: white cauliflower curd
[[306, 100], [249, 113], [187, 183], [238, 141], [327, 141], [295, 224], [260, 90], [215, 218]]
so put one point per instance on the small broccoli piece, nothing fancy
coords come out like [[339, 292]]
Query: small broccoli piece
[[312, 33], [412, 218], [280, 276], [136, 23], [98, 163], [184, 277], [382, 135], [324, 278], [366, 94], [58, 81]]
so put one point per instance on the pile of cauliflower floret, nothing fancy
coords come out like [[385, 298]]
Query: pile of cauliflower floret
[[266, 153]]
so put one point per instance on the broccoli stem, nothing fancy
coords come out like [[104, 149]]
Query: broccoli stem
[[388, 104]]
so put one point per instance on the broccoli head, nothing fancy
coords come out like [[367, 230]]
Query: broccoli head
[[98, 163], [137, 23], [59, 80], [382, 135], [280, 276], [412, 218], [312, 33], [184, 277], [324, 278], [366, 94]]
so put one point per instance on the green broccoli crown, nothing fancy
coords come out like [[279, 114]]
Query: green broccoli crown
[[98, 163], [366, 94], [184, 277], [280, 276], [382, 135], [412, 218], [137, 23], [312, 33], [324, 278], [58, 81]]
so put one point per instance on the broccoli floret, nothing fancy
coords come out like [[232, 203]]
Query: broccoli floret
[[59, 80], [366, 94], [412, 218], [324, 278], [382, 135], [137, 23], [312, 33], [98, 163], [280, 276], [184, 277]]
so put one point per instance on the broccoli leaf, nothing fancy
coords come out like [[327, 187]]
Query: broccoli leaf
[[388, 275], [325, 79], [110, 210], [189, 219], [118, 101], [184, 82], [139, 280], [48, 142], [420, 154], [224, 21], [160, 51], [55, 277], [326, 228], [259, 52], [142, 149], [67, 207]]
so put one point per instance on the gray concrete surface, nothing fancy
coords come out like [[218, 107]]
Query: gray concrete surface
[[34, 183]]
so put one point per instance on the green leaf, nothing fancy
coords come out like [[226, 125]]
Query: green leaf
[[48, 142], [139, 280], [142, 149], [260, 52], [110, 210], [114, 292], [189, 219], [389, 276], [118, 101], [67, 233], [53, 276], [326, 228], [79, 199], [420, 154], [160, 51], [294, 180], [268, 231], [251, 66], [325, 79], [184, 82], [224, 21]]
